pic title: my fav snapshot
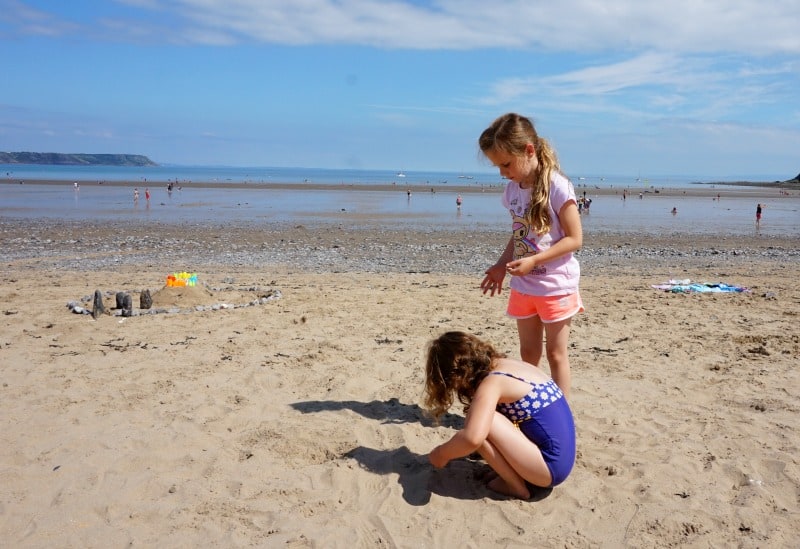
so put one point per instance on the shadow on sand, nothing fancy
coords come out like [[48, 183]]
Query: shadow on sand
[[461, 479]]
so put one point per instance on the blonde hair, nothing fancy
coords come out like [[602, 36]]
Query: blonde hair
[[511, 134], [456, 364]]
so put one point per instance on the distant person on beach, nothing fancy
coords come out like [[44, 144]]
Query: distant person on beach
[[674, 211], [458, 202], [147, 194], [136, 195], [517, 418], [759, 206], [545, 231]]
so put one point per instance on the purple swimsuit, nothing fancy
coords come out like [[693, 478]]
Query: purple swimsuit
[[544, 416]]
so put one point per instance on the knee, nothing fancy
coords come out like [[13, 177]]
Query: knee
[[557, 356]]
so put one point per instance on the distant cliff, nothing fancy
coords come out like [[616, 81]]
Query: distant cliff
[[793, 184], [64, 159]]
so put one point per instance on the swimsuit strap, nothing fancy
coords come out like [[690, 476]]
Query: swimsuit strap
[[513, 377]]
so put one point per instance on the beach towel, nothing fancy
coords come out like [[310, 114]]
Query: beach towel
[[687, 286]]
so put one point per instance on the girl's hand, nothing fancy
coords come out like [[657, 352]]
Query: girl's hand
[[493, 281], [522, 266], [436, 458]]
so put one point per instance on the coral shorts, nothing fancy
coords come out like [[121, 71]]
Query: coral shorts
[[551, 308]]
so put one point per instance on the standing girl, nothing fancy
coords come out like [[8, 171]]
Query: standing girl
[[517, 418], [546, 230]]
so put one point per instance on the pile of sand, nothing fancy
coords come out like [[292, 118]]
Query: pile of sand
[[184, 297]]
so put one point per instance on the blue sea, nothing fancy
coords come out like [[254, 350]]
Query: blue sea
[[222, 174], [421, 208]]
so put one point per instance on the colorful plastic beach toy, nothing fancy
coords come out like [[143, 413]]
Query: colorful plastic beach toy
[[182, 279]]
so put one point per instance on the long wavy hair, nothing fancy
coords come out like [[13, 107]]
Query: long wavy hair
[[511, 134], [456, 364]]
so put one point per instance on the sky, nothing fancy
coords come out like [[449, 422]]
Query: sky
[[706, 88]]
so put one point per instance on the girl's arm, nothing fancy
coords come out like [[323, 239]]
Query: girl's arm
[[570, 221], [476, 428], [493, 281]]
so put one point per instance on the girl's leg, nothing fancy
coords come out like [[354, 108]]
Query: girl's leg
[[558, 353], [530, 339], [514, 458]]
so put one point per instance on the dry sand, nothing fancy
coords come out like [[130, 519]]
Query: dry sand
[[296, 422]]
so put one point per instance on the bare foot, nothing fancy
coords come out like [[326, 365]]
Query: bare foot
[[501, 486]]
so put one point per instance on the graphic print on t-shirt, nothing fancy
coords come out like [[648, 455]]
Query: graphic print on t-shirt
[[524, 245]]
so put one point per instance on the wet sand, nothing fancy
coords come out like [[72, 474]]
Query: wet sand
[[701, 189]]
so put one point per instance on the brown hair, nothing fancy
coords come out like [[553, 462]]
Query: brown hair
[[511, 134], [457, 363]]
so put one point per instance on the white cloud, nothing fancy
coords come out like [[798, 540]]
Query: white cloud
[[749, 27], [649, 86], [30, 21], [392, 24], [745, 26], [643, 70]]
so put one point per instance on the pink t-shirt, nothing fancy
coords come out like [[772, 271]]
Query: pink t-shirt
[[559, 276]]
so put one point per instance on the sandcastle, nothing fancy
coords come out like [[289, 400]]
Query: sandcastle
[[181, 294]]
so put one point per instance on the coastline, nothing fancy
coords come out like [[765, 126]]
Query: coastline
[[699, 189]]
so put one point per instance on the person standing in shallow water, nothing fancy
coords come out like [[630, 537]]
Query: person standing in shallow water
[[758, 214], [546, 230]]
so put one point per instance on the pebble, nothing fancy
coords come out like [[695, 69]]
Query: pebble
[[335, 248], [77, 309]]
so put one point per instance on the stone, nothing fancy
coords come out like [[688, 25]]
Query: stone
[[145, 300], [97, 305], [120, 298], [127, 306]]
